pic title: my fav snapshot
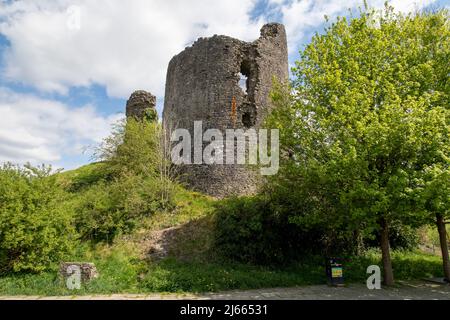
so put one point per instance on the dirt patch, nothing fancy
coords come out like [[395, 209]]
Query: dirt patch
[[185, 242]]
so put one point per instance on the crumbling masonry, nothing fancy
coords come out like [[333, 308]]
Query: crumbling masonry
[[140, 103], [203, 83]]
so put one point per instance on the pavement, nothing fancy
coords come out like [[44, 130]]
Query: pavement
[[418, 290]]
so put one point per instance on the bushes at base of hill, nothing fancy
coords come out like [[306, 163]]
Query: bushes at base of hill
[[108, 209], [36, 226], [248, 229], [42, 215], [133, 181], [259, 230]]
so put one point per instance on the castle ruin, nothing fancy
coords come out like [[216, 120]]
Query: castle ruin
[[140, 104], [225, 83]]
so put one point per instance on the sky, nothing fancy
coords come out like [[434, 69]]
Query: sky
[[67, 67]]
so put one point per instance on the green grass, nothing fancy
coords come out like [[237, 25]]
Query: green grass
[[171, 275], [122, 272], [118, 267], [175, 276], [407, 265], [189, 206], [82, 177]]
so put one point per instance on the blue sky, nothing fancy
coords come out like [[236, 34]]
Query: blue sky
[[67, 67]]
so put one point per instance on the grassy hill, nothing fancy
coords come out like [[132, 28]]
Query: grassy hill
[[171, 250]]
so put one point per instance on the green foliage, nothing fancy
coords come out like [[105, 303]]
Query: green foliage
[[176, 276], [365, 137], [35, 220], [435, 191], [408, 265], [129, 185], [118, 267], [262, 230], [252, 230], [40, 211], [84, 177], [400, 237], [367, 116], [246, 230], [140, 152], [108, 209], [108, 148], [150, 115], [134, 147]]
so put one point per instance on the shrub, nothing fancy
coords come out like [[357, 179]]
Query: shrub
[[35, 221], [108, 209], [260, 230], [132, 181], [134, 147], [400, 237], [249, 229]]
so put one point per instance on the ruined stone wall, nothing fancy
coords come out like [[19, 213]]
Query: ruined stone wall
[[203, 83], [140, 104]]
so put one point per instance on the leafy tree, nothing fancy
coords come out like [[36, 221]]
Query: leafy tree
[[140, 151], [133, 147], [138, 147], [136, 182], [367, 114]]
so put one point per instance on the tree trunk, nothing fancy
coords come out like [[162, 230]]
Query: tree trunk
[[386, 255], [444, 245]]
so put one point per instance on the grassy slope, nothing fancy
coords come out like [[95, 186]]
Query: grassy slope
[[192, 265]]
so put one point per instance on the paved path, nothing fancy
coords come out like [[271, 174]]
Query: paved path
[[404, 291]]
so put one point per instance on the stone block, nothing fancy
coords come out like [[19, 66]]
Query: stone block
[[87, 270]]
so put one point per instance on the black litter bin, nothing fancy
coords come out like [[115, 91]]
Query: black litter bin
[[335, 272]]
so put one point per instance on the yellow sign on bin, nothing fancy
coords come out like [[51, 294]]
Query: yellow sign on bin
[[336, 272]]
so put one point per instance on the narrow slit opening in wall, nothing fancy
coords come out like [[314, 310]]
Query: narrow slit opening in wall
[[244, 76], [247, 120]]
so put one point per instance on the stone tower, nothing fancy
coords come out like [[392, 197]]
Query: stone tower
[[140, 104], [225, 83]]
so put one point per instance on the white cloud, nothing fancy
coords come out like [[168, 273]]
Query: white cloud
[[302, 16], [123, 45], [44, 131], [410, 6], [126, 45]]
